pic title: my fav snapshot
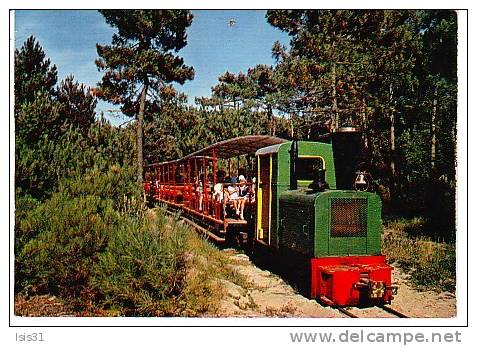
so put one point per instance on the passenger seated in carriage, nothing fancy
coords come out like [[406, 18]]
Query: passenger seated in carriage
[[244, 195], [200, 190], [252, 190], [218, 190], [231, 195]]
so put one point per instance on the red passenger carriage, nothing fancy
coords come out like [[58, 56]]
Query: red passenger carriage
[[187, 184]]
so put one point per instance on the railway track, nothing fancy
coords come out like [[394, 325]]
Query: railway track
[[391, 311], [198, 228]]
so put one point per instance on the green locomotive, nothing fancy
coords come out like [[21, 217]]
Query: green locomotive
[[302, 212]]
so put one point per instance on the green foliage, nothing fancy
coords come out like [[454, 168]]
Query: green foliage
[[141, 62], [142, 271], [93, 244], [37, 119], [33, 73], [439, 273], [331, 70], [142, 53], [70, 232], [182, 130], [76, 104], [70, 226], [41, 110], [113, 183], [430, 264], [71, 179], [41, 166], [32, 174], [81, 232], [23, 233]]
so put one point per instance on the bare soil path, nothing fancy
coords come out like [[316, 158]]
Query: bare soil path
[[267, 295]]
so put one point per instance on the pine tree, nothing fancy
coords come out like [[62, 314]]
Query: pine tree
[[33, 73], [264, 89], [77, 104], [141, 60], [36, 113]]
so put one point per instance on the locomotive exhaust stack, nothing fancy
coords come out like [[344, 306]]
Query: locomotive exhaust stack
[[347, 150]]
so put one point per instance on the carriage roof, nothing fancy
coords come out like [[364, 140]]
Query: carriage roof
[[230, 148], [238, 146]]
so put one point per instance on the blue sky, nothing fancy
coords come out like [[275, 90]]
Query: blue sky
[[69, 39]]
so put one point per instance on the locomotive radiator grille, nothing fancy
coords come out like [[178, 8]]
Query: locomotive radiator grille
[[348, 217]]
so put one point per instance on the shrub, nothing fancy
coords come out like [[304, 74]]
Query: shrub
[[430, 264], [41, 167], [57, 241], [114, 183], [71, 232], [93, 243], [23, 206], [439, 273], [133, 262], [142, 271]]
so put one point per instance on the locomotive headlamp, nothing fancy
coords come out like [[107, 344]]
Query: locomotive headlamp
[[360, 179], [360, 183]]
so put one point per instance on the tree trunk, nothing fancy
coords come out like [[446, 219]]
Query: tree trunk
[[271, 121], [335, 121], [140, 120], [364, 121], [433, 129], [393, 145], [292, 130], [392, 137]]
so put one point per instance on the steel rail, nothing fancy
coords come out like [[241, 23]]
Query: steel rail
[[346, 312], [393, 311], [385, 308]]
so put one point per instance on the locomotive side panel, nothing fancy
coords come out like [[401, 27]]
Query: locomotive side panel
[[297, 225]]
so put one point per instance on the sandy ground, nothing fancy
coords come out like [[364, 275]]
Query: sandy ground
[[267, 295]]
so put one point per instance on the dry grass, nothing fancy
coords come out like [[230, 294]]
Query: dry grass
[[207, 267], [430, 264], [42, 305]]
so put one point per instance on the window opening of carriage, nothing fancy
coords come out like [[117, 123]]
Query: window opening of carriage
[[307, 167]]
